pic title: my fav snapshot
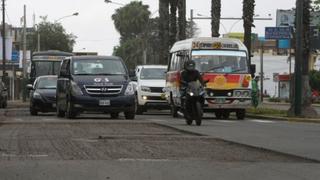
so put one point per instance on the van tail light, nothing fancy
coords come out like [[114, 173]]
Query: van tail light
[[246, 81]]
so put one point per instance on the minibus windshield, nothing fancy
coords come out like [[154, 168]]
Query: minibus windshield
[[220, 61]]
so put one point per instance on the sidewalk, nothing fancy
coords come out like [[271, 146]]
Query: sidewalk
[[283, 107], [18, 104]]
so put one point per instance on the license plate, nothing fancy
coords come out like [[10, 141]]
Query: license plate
[[221, 100], [104, 102]]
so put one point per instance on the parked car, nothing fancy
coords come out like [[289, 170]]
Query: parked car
[[43, 95], [3, 95], [150, 85], [96, 84]]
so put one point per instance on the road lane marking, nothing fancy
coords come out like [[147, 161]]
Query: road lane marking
[[261, 121], [142, 160]]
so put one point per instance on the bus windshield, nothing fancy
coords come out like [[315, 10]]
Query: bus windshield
[[42, 68], [220, 61]]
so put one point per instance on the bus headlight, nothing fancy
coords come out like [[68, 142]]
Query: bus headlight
[[237, 93], [246, 94]]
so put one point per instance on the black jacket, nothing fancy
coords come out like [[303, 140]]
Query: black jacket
[[189, 76]]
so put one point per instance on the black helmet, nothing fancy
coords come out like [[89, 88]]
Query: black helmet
[[189, 65]]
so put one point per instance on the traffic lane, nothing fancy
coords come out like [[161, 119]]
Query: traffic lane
[[155, 169], [301, 139]]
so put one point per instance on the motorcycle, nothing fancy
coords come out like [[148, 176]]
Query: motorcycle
[[193, 103]]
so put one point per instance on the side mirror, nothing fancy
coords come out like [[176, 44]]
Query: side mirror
[[30, 87], [252, 69]]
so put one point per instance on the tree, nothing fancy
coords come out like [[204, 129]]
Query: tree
[[182, 19], [164, 31], [316, 5], [131, 20], [215, 17], [248, 13], [53, 36], [173, 22]]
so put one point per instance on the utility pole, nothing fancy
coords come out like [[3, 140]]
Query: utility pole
[[3, 41], [261, 71], [299, 57], [24, 54]]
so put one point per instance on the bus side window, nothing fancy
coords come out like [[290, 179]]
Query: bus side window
[[173, 61]]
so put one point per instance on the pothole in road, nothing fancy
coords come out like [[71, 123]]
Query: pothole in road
[[123, 140]]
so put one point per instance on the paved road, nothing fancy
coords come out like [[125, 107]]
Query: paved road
[[95, 147]]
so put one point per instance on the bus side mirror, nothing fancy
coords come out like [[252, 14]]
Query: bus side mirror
[[252, 69]]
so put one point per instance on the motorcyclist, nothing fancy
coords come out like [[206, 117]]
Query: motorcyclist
[[189, 74]]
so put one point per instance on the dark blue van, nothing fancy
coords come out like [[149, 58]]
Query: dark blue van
[[94, 84]]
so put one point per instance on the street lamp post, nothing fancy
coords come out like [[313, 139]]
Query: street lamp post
[[111, 2], [74, 14]]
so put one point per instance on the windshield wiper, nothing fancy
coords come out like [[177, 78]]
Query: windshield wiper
[[214, 68], [237, 70], [109, 74], [82, 74]]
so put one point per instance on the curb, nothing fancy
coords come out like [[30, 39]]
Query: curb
[[289, 119]]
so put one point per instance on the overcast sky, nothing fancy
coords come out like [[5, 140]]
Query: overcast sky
[[94, 27]]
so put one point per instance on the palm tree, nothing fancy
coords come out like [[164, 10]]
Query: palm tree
[[173, 22], [182, 19], [215, 17], [164, 31], [248, 13]]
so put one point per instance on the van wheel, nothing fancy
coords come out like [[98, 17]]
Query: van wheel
[[70, 110], [241, 114], [129, 115], [114, 115]]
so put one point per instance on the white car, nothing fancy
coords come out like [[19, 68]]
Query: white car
[[150, 85]]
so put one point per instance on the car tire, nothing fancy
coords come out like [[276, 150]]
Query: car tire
[[129, 115], [114, 115], [33, 112], [70, 113]]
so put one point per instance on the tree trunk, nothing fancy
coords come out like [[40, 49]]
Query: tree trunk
[[306, 96], [248, 13], [215, 17], [164, 31], [173, 22], [182, 19]]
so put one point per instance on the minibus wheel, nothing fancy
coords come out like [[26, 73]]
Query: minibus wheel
[[241, 114]]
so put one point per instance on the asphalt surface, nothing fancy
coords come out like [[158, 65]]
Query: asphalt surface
[[154, 146]]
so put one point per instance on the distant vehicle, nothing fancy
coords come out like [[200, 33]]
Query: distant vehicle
[[3, 95], [97, 84], [46, 63], [43, 95], [150, 84], [224, 63]]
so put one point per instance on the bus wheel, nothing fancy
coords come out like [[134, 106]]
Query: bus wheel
[[218, 114], [241, 114], [225, 115]]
